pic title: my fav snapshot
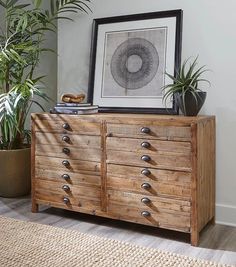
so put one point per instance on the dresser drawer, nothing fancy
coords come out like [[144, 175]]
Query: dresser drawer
[[81, 203], [150, 131], [158, 183], [83, 177], [75, 166], [150, 159], [81, 196], [68, 152], [67, 124], [71, 140], [148, 146], [150, 203], [126, 207], [74, 190]]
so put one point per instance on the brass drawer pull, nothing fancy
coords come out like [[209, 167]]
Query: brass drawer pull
[[66, 200], [66, 188], [146, 172], [66, 138], [66, 126], [145, 130], [66, 163], [65, 176], [145, 213], [145, 144], [66, 150], [145, 200], [146, 186], [146, 158]]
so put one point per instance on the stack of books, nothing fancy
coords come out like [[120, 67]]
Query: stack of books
[[74, 108]]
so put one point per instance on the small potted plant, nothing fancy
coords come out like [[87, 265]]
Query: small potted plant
[[185, 88]]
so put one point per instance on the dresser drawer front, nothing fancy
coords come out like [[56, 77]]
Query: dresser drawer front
[[161, 160], [174, 185], [88, 178], [70, 140], [161, 132], [81, 203], [133, 214], [68, 152], [148, 146], [150, 203], [75, 190], [67, 124], [75, 166]]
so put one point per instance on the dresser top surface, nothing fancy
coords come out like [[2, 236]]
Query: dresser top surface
[[120, 116]]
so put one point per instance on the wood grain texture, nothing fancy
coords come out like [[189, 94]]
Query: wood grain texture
[[194, 188], [34, 207], [76, 166], [164, 176], [206, 172], [56, 151], [135, 145], [160, 160], [75, 140], [75, 178], [156, 131], [86, 191], [156, 204], [158, 187], [55, 125], [106, 156], [153, 119], [103, 167], [159, 219]]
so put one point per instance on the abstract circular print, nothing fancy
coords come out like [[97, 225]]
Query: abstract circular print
[[134, 63]]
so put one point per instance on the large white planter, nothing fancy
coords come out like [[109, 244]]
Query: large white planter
[[15, 175]]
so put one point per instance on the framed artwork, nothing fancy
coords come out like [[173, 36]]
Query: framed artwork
[[129, 57]]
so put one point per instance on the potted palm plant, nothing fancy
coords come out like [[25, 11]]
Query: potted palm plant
[[185, 88], [22, 37]]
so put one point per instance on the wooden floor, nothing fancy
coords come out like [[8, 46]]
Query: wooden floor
[[217, 243]]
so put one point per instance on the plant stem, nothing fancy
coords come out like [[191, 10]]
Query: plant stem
[[7, 85]]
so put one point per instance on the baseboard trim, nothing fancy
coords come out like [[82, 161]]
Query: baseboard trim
[[226, 214]]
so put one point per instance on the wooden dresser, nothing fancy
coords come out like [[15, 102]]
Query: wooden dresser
[[156, 170]]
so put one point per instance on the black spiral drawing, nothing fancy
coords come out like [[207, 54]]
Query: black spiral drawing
[[134, 63]]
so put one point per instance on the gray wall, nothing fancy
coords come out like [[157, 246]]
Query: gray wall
[[48, 67]]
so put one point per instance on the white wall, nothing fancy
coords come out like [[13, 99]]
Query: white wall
[[208, 31]]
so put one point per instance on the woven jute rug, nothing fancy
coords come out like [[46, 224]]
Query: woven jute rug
[[31, 244]]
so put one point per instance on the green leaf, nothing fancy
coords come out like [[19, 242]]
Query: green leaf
[[52, 7], [184, 82], [2, 4], [37, 3]]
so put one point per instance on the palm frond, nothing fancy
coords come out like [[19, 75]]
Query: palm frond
[[21, 47]]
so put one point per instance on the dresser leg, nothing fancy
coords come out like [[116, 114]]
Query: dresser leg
[[34, 207], [213, 221], [194, 238]]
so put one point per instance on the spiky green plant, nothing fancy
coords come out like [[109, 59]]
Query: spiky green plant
[[186, 81], [22, 36]]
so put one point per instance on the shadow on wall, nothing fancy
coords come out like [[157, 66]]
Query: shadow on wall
[[225, 155]]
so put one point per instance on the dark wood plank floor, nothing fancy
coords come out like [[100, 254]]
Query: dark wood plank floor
[[217, 243]]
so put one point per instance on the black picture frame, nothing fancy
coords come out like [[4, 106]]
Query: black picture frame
[[175, 15]]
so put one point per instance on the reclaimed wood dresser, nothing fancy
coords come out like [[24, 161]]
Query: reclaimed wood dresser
[[155, 170]]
